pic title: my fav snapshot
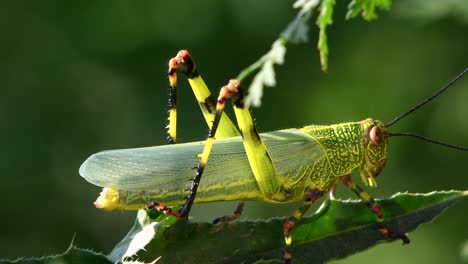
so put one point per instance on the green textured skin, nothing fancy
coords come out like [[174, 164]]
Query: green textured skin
[[343, 149]]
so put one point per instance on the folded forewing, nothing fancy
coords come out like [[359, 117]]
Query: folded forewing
[[168, 168]]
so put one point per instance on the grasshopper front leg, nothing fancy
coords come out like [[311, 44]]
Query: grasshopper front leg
[[374, 207]]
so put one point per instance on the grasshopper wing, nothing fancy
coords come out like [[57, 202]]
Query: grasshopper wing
[[164, 170]]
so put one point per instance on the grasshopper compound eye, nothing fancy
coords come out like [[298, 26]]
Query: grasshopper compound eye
[[375, 135]]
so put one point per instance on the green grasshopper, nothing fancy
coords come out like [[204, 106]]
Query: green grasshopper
[[280, 166]]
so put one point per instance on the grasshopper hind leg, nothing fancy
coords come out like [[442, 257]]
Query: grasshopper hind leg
[[259, 159], [184, 64]]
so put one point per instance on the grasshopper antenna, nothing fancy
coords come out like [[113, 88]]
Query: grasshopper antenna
[[428, 140], [416, 107], [427, 100]]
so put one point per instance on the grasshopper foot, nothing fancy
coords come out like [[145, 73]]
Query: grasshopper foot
[[161, 207], [231, 217], [393, 235], [287, 256]]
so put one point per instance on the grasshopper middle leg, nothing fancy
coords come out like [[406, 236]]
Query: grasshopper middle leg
[[310, 196]]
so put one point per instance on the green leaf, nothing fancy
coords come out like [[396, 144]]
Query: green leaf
[[145, 229], [71, 255], [306, 6], [297, 32], [342, 227], [367, 8], [323, 20]]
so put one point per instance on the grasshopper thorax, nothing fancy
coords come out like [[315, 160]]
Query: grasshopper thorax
[[375, 150]]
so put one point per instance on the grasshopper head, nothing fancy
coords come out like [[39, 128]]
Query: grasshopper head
[[375, 150]]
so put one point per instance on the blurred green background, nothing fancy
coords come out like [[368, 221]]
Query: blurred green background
[[78, 77]]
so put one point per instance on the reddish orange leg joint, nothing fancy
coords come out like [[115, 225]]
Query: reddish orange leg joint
[[181, 62], [287, 257], [393, 235], [161, 207]]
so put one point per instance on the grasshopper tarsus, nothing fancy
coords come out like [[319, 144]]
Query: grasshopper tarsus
[[393, 235], [231, 217]]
